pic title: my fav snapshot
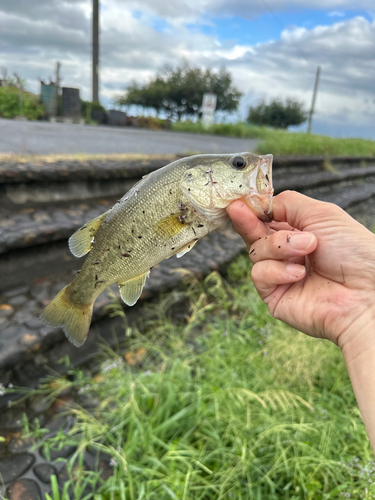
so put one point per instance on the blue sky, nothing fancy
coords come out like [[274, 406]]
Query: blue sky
[[271, 48], [269, 25]]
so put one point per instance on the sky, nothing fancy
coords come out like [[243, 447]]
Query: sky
[[272, 49]]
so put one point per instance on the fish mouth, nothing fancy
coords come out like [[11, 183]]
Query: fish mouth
[[261, 190]]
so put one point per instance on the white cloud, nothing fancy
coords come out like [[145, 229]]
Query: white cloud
[[182, 11], [336, 13]]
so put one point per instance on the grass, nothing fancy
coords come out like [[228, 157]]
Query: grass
[[283, 143], [227, 403], [239, 129]]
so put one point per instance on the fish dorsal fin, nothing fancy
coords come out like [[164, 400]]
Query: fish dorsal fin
[[185, 249], [131, 290], [80, 241]]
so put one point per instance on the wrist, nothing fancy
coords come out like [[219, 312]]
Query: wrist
[[360, 363], [359, 338]]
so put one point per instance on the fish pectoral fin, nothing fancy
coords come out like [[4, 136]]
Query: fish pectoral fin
[[185, 249], [80, 241], [169, 226], [131, 290]]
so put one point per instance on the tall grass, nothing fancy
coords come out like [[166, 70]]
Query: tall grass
[[283, 143], [226, 404], [10, 105], [239, 129]]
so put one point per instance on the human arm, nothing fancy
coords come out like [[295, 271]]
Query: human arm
[[326, 287]]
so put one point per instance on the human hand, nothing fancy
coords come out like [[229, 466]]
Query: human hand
[[314, 268]]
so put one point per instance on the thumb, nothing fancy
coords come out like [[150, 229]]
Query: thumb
[[297, 209]]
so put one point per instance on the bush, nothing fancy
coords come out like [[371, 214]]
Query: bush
[[277, 114], [88, 107], [153, 123], [9, 104], [239, 129]]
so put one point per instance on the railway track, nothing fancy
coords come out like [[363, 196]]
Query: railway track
[[42, 204]]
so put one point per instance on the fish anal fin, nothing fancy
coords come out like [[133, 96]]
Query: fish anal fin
[[80, 241], [131, 290], [185, 249]]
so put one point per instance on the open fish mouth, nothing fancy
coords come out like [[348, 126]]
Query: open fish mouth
[[259, 199]]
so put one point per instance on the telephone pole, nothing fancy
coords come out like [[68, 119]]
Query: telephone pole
[[313, 99], [95, 50]]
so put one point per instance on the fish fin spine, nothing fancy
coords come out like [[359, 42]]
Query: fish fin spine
[[81, 241], [73, 318], [186, 248], [131, 290]]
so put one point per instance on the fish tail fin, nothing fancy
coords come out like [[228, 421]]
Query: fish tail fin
[[73, 318]]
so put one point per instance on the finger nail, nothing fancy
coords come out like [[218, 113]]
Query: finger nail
[[295, 270], [301, 241]]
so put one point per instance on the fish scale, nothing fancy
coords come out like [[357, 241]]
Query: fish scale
[[164, 214]]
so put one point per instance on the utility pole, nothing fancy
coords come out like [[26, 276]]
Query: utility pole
[[313, 99], [20, 89], [95, 50], [57, 81]]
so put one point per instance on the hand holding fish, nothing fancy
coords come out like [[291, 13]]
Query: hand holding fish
[[315, 269]]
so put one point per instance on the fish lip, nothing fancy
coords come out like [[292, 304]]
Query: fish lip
[[266, 166], [262, 201]]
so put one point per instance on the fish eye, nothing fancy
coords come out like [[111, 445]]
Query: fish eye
[[239, 162]]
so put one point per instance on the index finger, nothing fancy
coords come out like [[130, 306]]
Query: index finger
[[246, 223]]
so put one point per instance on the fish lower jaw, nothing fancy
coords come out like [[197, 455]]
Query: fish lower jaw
[[260, 205]]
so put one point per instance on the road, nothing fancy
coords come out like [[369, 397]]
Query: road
[[43, 138]]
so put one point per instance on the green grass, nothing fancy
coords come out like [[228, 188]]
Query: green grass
[[226, 404], [283, 143], [239, 129]]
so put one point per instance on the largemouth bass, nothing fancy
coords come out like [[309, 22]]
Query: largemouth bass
[[164, 214]]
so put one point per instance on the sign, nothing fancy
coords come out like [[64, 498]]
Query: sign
[[208, 108]]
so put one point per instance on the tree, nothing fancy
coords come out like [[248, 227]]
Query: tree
[[278, 114], [180, 91]]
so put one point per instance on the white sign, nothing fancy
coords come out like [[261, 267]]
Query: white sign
[[208, 108]]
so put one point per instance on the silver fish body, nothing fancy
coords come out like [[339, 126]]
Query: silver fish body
[[164, 214]]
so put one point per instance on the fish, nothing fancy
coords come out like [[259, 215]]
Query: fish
[[164, 214]]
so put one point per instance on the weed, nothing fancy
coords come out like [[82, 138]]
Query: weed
[[283, 143], [227, 403]]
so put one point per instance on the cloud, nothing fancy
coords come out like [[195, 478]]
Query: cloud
[[336, 13], [182, 11], [135, 45]]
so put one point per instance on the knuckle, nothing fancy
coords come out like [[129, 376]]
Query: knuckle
[[252, 252], [274, 312], [287, 194], [276, 240], [259, 271]]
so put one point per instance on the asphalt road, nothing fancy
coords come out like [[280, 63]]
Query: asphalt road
[[43, 138]]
